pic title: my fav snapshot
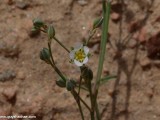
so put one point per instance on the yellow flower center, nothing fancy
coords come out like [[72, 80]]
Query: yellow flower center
[[80, 55]]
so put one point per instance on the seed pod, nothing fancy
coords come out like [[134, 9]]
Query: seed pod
[[45, 55], [61, 83], [50, 32], [98, 22], [86, 73], [38, 23], [70, 85]]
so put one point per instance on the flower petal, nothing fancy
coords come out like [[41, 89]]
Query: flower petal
[[72, 54], [86, 50], [85, 60], [78, 63], [77, 47]]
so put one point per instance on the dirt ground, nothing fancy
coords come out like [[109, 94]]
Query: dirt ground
[[27, 84]]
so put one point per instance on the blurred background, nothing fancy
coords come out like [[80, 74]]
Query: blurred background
[[27, 84]]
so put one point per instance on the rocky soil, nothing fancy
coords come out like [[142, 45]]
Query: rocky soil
[[27, 84]]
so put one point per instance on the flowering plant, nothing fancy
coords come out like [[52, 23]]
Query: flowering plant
[[79, 55]]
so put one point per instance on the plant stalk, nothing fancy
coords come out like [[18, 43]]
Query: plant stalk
[[97, 112], [105, 26], [90, 36], [85, 104], [49, 46], [76, 97], [91, 99], [61, 44]]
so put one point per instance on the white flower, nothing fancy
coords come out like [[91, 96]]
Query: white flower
[[79, 55]]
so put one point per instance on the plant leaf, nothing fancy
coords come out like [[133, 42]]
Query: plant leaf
[[106, 79]]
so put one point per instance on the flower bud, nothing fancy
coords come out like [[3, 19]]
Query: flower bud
[[70, 85], [50, 32], [86, 73], [98, 22], [38, 23], [45, 55], [61, 83]]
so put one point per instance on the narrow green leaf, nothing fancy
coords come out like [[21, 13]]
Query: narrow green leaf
[[105, 26], [106, 79]]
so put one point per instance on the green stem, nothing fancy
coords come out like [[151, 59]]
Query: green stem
[[79, 88], [43, 30], [105, 26], [76, 97], [90, 36], [49, 46], [91, 99], [85, 104], [58, 71], [97, 112], [61, 44], [92, 115], [52, 63], [80, 109]]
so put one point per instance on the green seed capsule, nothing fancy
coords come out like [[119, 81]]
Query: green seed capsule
[[50, 32], [86, 73], [98, 22], [38, 23], [61, 83], [45, 55], [70, 85]]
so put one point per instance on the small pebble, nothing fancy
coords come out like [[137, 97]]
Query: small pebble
[[9, 50], [21, 75], [150, 93], [7, 75], [134, 26], [96, 48], [132, 44], [22, 5], [9, 92], [82, 2], [83, 27], [115, 16], [111, 93], [145, 63], [10, 2], [142, 35], [12, 51], [156, 63], [5, 111]]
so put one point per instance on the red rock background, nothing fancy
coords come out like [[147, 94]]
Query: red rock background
[[27, 85]]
